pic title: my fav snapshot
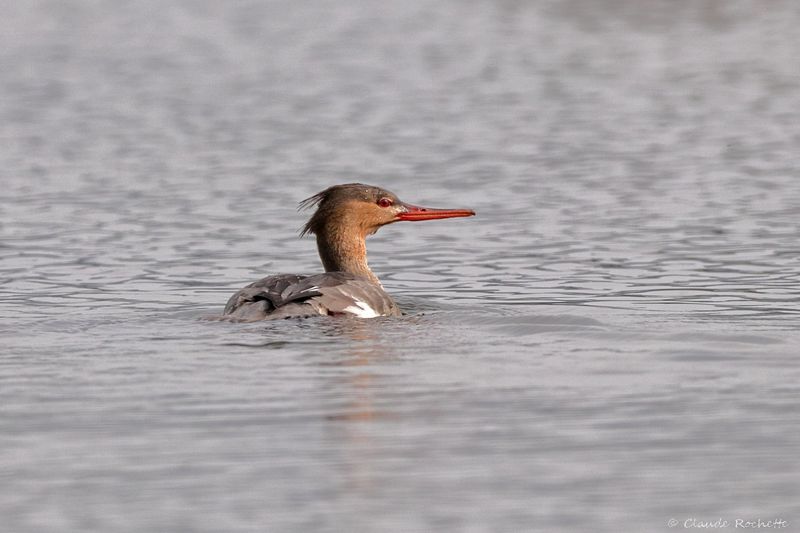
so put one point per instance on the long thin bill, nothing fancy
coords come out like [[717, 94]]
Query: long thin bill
[[416, 213]]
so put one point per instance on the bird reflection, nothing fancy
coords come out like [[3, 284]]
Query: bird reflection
[[352, 427], [367, 348]]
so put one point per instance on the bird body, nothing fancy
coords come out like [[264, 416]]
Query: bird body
[[292, 295]]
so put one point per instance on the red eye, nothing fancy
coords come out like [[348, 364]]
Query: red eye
[[385, 202]]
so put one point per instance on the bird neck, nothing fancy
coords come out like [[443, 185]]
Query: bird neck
[[344, 252]]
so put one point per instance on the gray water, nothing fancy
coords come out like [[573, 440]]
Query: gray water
[[610, 344]]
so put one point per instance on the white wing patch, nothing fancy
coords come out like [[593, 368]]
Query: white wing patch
[[361, 310]]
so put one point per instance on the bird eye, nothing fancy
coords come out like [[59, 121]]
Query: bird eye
[[385, 202]]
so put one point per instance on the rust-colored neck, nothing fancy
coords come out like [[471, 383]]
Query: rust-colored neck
[[344, 251]]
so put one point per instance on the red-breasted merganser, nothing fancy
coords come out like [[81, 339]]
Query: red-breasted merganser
[[345, 216]]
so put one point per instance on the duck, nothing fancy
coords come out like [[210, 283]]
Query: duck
[[345, 216]]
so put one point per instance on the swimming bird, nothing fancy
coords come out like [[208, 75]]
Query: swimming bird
[[345, 216]]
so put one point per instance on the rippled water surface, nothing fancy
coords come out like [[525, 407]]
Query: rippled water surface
[[610, 344]]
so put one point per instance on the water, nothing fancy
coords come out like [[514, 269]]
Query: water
[[610, 344]]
